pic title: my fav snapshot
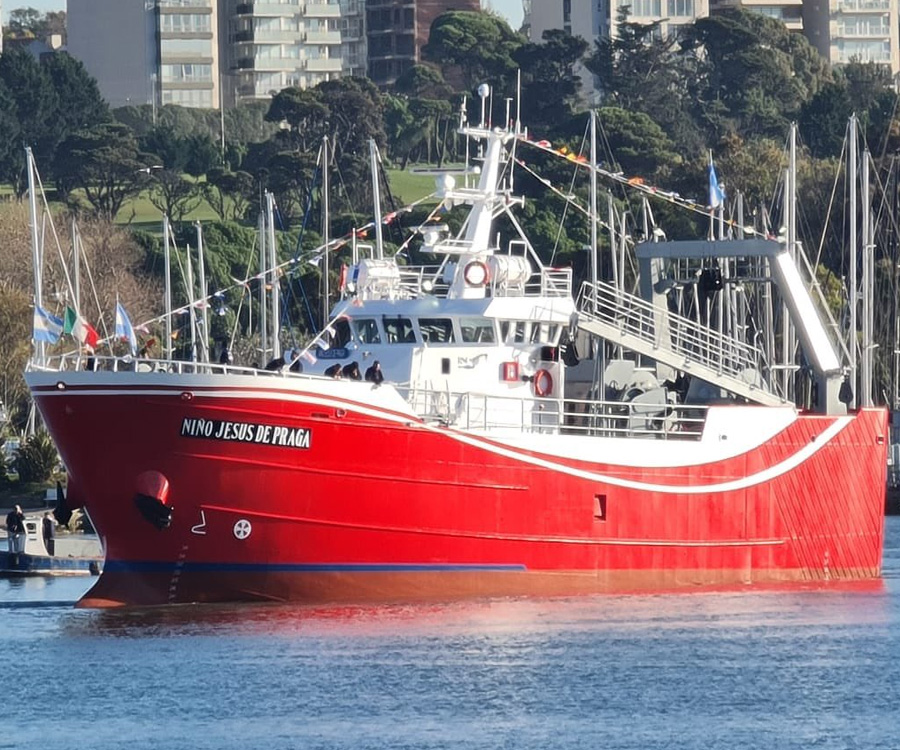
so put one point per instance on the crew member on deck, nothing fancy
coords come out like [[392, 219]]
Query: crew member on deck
[[374, 373], [334, 372], [351, 371], [15, 532], [48, 531]]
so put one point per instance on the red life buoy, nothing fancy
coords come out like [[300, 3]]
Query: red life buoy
[[476, 273], [543, 383]]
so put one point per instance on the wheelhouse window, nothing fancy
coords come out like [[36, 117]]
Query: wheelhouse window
[[367, 331], [399, 330], [477, 330], [544, 333], [341, 333], [436, 330]]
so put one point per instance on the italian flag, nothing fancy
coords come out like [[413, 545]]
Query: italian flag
[[80, 330]]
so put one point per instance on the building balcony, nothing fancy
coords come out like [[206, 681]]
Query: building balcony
[[322, 10], [863, 6], [323, 37], [324, 65], [257, 8], [284, 36], [243, 36], [873, 33]]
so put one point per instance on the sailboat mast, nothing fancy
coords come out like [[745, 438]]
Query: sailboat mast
[[263, 297], [204, 297], [325, 238], [273, 269], [865, 392], [852, 294], [37, 261], [594, 270], [168, 292]]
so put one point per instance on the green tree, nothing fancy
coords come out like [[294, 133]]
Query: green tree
[[478, 45], [80, 104], [550, 84], [35, 109], [641, 70], [753, 74], [105, 163], [174, 195]]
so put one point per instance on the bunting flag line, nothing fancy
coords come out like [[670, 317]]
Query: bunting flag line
[[47, 327], [80, 330], [124, 329]]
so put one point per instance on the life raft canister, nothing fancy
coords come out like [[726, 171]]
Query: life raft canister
[[543, 383], [476, 273]]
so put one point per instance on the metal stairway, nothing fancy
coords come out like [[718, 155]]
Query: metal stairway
[[683, 344]]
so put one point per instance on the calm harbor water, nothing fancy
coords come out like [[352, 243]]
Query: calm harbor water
[[786, 668]]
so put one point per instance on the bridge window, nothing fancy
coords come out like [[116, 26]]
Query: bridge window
[[367, 331], [341, 333], [436, 330], [477, 330], [399, 330]]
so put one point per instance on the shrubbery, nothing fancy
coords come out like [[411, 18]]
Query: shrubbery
[[36, 459]]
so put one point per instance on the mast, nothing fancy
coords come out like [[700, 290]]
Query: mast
[[263, 297], [168, 293], [36, 259], [76, 262], [376, 200], [865, 386], [273, 269], [593, 217], [192, 308], [204, 296], [852, 293], [325, 238]]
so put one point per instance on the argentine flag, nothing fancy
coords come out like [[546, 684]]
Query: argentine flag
[[716, 193], [124, 329], [47, 327]]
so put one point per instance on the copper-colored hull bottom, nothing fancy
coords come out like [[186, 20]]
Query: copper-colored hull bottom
[[115, 589]]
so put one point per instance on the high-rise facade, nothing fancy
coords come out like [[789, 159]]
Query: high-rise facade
[[863, 30], [274, 44], [203, 53], [398, 29]]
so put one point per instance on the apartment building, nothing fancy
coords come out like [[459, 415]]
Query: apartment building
[[398, 29], [159, 52], [845, 30], [274, 44], [841, 30], [206, 53]]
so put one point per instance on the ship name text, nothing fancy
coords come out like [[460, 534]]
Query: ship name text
[[246, 432]]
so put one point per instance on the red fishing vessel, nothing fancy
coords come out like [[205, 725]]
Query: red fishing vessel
[[479, 456]]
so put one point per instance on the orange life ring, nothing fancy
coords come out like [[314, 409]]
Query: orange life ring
[[543, 383], [476, 273]]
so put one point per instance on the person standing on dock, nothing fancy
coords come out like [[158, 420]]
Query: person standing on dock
[[48, 530], [15, 531]]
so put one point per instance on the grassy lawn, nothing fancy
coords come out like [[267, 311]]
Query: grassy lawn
[[408, 187]]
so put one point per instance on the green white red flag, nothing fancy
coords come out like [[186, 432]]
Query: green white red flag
[[80, 330]]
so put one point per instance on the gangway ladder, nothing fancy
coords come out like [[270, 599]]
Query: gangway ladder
[[631, 322]]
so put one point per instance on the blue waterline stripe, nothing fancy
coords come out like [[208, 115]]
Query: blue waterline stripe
[[119, 566]]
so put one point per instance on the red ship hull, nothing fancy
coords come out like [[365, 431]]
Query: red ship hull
[[290, 491]]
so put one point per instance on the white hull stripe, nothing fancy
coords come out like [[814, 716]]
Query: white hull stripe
[[783, 467], [788, 464]]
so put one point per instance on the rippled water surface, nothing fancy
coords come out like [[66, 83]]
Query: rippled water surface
[[785, 668]]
